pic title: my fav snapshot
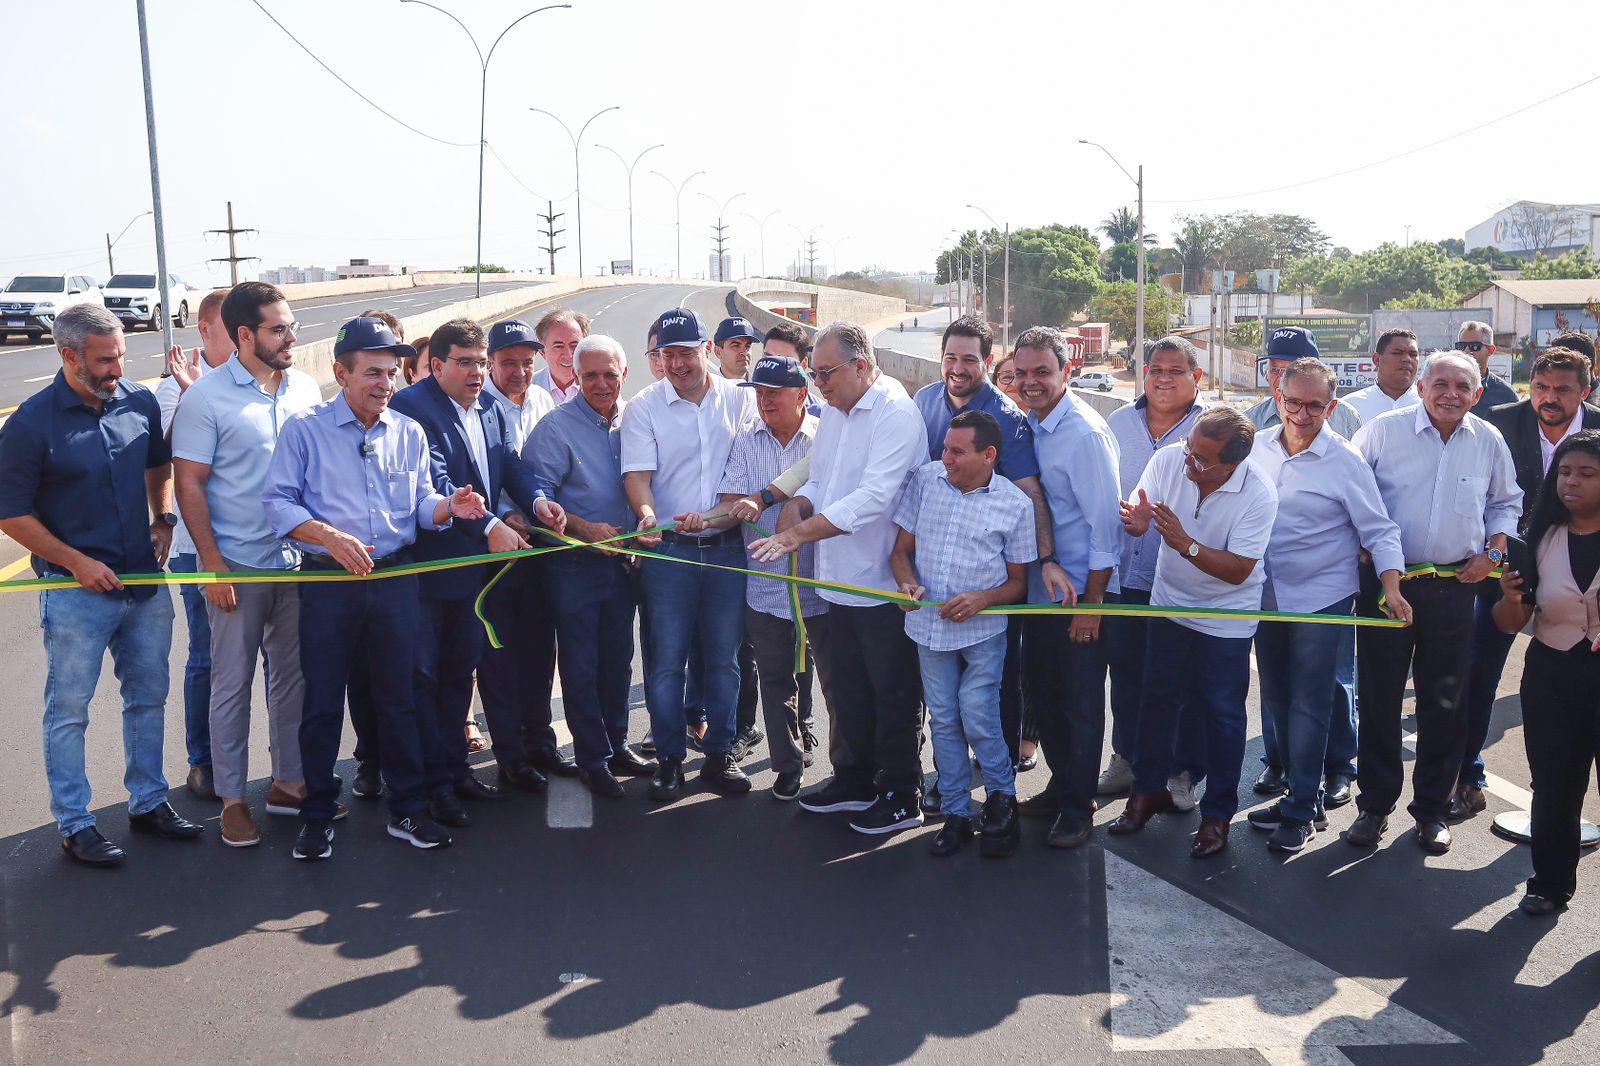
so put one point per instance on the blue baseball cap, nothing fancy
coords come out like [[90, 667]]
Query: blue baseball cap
[[370, 335], [1291, 343], [512, 331], [776, 372], [680, 328], [735, 327]]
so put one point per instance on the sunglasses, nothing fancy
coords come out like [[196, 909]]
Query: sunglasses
[[1472, 346], [823, 376]]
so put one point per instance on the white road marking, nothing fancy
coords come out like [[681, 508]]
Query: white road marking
[[570, 804], [1185, 976], [1315, 1055], [41, 377]]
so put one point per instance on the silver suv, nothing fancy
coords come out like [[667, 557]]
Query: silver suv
[[30, 303]]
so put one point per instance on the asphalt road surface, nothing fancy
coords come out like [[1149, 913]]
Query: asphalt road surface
[[560, 928]]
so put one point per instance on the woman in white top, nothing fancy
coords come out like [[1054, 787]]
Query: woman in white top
[[1561, 677]]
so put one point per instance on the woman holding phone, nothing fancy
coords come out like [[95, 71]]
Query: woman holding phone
[[1556, 584]]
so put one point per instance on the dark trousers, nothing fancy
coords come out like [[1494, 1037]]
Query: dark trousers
[[450, 643], [1490, 648], [364, 716], [515, 681], [1203, 678], [594, 650], [1065, 684], [1561, 728], [1124, 639], [749, 687], [375, 623], [1017, 718], [197, 668], [1434, 650], [872, 680], [771, 639]]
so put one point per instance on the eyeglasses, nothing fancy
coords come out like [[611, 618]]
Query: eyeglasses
[[470, 364], [1316, 408], [279, 331], [822, 377], [1472, 346], [1005, 377], [1194, 460]]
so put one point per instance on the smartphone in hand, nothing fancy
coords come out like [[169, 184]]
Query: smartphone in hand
[[1519, 557]]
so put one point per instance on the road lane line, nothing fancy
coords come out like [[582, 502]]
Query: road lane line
[[11, 570], [570, 804], [41, 377]]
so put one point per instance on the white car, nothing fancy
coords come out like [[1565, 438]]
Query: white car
[[30, 302], [1098, 380], [136, 300]]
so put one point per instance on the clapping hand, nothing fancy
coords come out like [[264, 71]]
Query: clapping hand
[[186, 371], [1136, 516]]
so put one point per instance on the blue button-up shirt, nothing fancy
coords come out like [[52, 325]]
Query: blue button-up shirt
[[576, 457], [373, 483], [80, 472], [1131, 430], [1078, 460], [1016, 439], [229, 423], [964, 541]]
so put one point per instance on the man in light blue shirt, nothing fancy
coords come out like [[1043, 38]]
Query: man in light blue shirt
[[223, 435], [1063, 657], [350, 482]]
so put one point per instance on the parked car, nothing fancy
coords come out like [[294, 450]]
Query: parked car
[[136, 299], [1099, 380], [30, 302]]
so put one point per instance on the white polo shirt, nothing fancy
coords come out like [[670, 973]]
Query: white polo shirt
[[1372, 401], [1237, 517], [684, 444]]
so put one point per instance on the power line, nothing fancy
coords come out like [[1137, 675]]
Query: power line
[[387, 114]]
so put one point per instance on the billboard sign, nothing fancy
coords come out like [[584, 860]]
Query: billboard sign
[[1353, 371], [622, 266], [1334, 334]]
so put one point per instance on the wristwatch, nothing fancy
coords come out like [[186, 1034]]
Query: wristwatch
[[1049, 559], [1193, 551], [767, 498], [1496, 556], [168, 517]]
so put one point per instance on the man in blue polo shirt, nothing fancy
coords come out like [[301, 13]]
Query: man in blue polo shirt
[[83, 467], [965, 386]]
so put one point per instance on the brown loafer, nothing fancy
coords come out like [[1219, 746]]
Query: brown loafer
[[239, 827], [1212, 837], [1142, 806]]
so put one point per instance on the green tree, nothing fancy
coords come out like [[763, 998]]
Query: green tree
[[1122, 227], [1360, 282], [1055, 270], [1121, 262], [488, 268], [1577, 263], [1117, 305], [1198, 244]]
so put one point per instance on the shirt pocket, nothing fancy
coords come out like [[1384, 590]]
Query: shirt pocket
[[1472, 493], [402, 491]]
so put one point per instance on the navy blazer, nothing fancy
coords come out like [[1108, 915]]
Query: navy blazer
[[453, 467], [1518, 423]]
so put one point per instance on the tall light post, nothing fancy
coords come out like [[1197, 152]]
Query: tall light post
[[833, 249], [677, 201], [483, 99], [632, 268], [722, 209], [761, 227], [1005, 286], [577, 174], [1138, 305], [155, 179], [805, 236], [111, 266]]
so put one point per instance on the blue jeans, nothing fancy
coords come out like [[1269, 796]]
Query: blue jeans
[[1490, 647], [79, 628], [197, 670], [1343, 732], [1193, 676], [1297, 664], [962, 691], [594, 650], [689, 607]]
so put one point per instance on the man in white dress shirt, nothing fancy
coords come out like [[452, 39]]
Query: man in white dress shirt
[[1396, 358], [1448, 482], [870, 437], [1328, 510]]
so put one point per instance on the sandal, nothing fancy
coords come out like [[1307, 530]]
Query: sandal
[[476, 741]]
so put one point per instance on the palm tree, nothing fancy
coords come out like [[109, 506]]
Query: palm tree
[[1198, 245], [1122, 227]]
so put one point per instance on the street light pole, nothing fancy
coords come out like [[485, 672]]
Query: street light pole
[[577, 175], [483, 100], [721, 210], [632, 268], [677, 194], [155, 182], [1137, 361], [761, 226], [1005, 297], [111, 266]]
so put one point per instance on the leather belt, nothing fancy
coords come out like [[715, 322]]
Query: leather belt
[[312, 561], [713, 540]]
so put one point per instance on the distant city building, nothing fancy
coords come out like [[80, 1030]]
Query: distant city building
[[362, 268], [293, 275], [1528, 227]]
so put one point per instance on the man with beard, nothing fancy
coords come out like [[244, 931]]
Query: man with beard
[[222, 441], [1476, 341], [81, 460]]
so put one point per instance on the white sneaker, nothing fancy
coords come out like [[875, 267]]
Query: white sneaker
[[1182, 792], [1117, 777]]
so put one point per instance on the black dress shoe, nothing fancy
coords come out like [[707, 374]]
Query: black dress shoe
[[521, 776], [629, 763], [1367, 830], [1043, 805], [163, 821], [1464, 804], [1337, 792], [92, 849], [952, 836], [931, 799], [1272, 782], [553, 762], [470, 788], [601, 783], [1433, 837], [447, 810], [667, 784], [1069, 831], [1002, 827], [1540, 906], [722, 775]]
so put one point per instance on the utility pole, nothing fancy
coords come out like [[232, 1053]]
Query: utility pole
[[233, 258], [811, 258], [549, 247], [718, 228], [155, 182]]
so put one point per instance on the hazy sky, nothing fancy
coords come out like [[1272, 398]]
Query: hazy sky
[[875, 121]]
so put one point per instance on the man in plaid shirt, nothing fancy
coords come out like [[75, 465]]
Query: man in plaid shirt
[[966, 537]]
